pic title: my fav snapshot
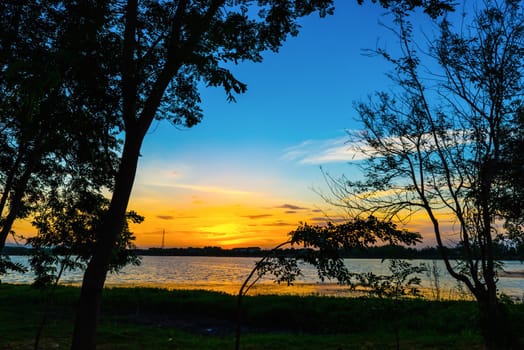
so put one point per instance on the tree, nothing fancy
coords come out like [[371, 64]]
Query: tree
[[25, 83], [67, 232], [164, 50], [167, 49], [67, 224], [438, 144], [324, 248], [511, 182], [52, 115]]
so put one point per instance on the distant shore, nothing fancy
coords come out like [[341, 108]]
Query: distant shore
[[382, 252]]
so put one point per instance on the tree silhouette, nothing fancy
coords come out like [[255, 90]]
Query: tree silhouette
[[167, 49], [164, 51], [67, 226], [323, 247], [52, 117], [439, 143]]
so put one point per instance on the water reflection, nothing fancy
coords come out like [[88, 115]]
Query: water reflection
[[227, 274]]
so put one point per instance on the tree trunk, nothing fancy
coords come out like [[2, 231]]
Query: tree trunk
[[495, 324], [16, 202], [9, 183], [89, 303]]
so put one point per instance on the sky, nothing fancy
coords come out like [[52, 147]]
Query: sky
[[249, 173]]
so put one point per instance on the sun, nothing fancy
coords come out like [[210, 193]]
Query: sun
[[225, 229]]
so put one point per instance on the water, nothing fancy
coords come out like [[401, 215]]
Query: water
[[226, 274]]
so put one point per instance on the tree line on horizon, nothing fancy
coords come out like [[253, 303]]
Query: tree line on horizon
[[388, 251]]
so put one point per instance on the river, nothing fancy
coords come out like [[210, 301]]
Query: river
[[227, 274]]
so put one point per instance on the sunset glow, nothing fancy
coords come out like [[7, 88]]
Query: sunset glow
[[200, 222], [249, 173]]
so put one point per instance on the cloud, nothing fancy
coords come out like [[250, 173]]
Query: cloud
[[171, 217], [326, 219], [279, 223], [291, 207], [254, 217], [318, 218], [206, 189], [315, 152], [343, 149], [217, 234], [212, 189], [290, 211], [187, 217], [149, 233]]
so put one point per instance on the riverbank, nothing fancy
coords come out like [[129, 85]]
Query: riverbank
[[143, 318]]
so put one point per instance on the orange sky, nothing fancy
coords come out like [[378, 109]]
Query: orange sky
[[244, 176], [199, 224], [213, 216], [228, 226], [200, 216], [216, 216]]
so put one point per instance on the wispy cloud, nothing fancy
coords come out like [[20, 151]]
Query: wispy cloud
[[291, 207], [353, 148], [254, 217], [171, 217], [324, 219], [207, 189], [278, 223], [323, 151]]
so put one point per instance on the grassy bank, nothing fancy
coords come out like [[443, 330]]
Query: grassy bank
[[141, 318]]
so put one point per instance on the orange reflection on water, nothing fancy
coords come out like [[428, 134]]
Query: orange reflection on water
[[300, 289]]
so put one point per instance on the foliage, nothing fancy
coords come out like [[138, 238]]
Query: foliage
[[7, 265], [323, 248], [53, 118], [434, 8], [437, 144], [327, 243], [67, 233], [510, 183], [403, 281]]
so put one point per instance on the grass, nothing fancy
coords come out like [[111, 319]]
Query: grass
[[142, 318]]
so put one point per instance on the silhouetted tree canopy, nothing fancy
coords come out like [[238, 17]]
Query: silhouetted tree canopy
[[54, 123], [67, 233], [324, 247], [447, 142]]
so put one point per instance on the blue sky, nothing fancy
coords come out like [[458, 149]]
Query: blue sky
[[260, 158]]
